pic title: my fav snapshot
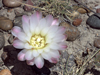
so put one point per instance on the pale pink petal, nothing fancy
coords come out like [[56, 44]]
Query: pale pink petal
[[49, 19], [28, 55], [25, 19], [38, 15], [39, 61], [18, 44], [30, 62], [61, 30], [21, 55], [15, 30], [62, 46], [55, 22], [54, 60]]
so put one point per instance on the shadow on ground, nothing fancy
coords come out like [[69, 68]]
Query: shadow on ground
[[20, 67]]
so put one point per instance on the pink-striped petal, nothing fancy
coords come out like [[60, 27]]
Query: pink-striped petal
[[25, 19], [15, 30], [39, 61], [21, 55], [54, 60], [51, 55], [62, 46], [18, 44], [38, 15], [55, 22], [30, 62], [61, 30]]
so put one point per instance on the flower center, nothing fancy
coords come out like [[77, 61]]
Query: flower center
[[37, 41]]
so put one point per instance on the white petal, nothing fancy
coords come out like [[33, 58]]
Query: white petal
[[21, 55], [27, 46], [54, 46], [40, 50], [47, 48], [28, 55], [15, 30], [59, 38], [49, 19], [30, 62], [25, 24], [18, 44], [42, 23], [35, 53], [33, 23], [21, 36], [52, 31], [44, 31], [46, 55], [39, 61], [37, 30]]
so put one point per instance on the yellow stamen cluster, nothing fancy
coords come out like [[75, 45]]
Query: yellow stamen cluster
[[37, 41]]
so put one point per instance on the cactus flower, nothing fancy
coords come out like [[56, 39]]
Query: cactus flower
[[39, 38]]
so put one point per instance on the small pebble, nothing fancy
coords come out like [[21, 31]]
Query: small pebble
[[97, 57], [83, 10], [79, 61], [98, 10], [5, 23], [94, 21], [28, 8], [5, 72], [4, 56], [10, 39], [18, 21], [77, 22], [74, 14], [71, 31], [1, 4], [12, 3], [19, 11], [2, 40], [97, 43]]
